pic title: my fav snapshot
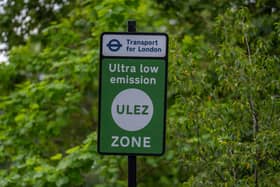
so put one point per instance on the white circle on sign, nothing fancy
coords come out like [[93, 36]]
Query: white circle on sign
[[132, 109]]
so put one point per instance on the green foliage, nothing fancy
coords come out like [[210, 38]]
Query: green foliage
[[22, 18], [223, 94]]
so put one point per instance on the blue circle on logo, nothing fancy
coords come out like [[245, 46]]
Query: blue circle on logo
[[114, 45]]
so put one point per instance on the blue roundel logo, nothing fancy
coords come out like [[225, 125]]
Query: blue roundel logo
[[114, 45]]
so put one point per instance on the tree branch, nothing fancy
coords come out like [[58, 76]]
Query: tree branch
[[254, 116]]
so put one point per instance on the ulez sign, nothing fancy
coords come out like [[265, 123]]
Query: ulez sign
[[132, 93]]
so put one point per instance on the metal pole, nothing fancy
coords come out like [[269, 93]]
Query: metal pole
[[131, 171], [131, 27]]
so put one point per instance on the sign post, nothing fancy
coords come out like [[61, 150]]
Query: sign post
[[132, 93]]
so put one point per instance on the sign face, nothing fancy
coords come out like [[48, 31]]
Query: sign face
[[132, 93], [140, 45]]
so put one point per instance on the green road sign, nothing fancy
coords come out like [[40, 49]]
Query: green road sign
[[132, 93]]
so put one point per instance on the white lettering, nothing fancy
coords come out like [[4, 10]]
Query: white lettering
[[135, 141], [146, 142], [124, 141], [154, 69], [121, 68], [133, 80], [114, 143], [147, 69]]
